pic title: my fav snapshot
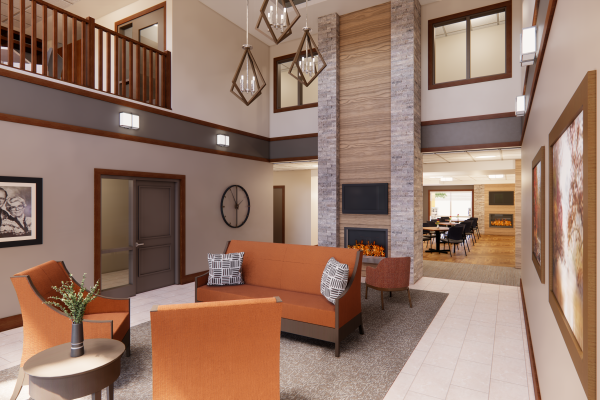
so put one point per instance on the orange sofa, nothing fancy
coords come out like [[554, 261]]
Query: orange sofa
[[226, 350], [293, 273]]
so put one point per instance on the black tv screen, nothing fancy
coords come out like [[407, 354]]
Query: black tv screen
[[365, 198], [502, 198]]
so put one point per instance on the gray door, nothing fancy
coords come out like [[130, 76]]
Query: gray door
[[278, 214], [155, 234]]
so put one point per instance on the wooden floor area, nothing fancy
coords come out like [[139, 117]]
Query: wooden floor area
[[488, 250]]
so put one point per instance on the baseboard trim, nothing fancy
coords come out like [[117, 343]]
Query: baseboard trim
[[536, 383], [12, 322]]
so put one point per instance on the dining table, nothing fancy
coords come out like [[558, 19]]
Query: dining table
[[438, 230]]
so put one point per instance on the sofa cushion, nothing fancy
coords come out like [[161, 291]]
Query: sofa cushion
[[334, 280], [120, 322], [303, 307], [225, 269]]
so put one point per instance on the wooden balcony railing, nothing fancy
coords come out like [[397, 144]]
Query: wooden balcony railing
[[66, 47]]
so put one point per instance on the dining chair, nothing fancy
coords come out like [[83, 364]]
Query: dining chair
[[455, 236]]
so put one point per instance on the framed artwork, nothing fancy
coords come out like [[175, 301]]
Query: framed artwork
[[538, 213], [572, 268], [21, 217]]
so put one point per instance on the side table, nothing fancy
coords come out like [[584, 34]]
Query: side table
[[55, 375]]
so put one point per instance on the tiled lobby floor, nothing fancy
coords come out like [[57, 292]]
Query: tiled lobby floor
[[475, 348]]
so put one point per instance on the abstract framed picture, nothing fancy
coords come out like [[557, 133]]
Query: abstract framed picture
[[538, 213], [21, 211], [572, 240]]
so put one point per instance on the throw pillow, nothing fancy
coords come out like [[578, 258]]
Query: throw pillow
[[225, 269], [334, 280]]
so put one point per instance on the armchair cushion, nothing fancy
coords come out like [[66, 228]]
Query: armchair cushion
[[225, 269], [334, 280], [391, 273], [120, 322]]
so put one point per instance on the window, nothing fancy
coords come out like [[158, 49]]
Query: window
[[450, 203], [289, 93], [471, 47]]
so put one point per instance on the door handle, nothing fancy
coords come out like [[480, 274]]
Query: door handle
[[138, 244]]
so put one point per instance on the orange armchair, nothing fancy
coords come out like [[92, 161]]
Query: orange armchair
[[216, 350], [391, 275], [45, 326]]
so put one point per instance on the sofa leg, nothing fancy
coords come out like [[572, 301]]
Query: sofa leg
[[127, 343], [361, 330], [19, 384], [382, 300], [337, 348], [409, 300], [366, 292], [390, 294]]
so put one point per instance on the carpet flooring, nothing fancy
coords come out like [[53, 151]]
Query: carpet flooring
[[472, 273], [366, 369]]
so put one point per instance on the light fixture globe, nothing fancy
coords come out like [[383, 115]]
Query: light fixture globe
[[276, 21], [248, 82], [308, 62]]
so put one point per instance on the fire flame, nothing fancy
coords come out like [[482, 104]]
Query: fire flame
[[369, 249], [501, 222]]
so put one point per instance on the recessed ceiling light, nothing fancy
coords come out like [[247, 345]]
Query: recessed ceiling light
[[496, 176]]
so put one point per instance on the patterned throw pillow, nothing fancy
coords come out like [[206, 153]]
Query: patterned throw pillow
[[225, 269], [334, 280]]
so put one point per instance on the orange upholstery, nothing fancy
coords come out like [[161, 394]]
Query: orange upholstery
[[45, 326], [218, 350], [297, 306]]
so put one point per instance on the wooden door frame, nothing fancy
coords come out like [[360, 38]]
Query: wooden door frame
[[98, 173], [282, 187], [452, 190], [144, 12]]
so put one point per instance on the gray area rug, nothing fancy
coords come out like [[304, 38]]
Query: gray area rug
[[472, 272], [366, 369]]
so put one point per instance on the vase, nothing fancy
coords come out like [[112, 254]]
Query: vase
[[77, 340]]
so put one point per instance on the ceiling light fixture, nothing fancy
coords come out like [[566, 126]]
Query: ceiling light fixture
[[528, 46], [496, 176], [308, 62], [446, 179], [521, 106], [129, 121], [277, 19], [248, 89]]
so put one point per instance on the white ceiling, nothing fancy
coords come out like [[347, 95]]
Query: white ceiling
[[472, 156]]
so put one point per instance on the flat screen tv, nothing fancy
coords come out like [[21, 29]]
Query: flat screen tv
[[365, 198], [502, 198]]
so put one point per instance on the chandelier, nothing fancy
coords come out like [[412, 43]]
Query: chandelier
[[308, 62], [248, 82], [277, 20]]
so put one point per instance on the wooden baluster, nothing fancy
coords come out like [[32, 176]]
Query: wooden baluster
[[100, 60], [91, 55], [22, 44], [161, 82], [137, 72], [83, 58], [33, 36], [11, 32], [45, 41], [55, 45], [156, 83], [131, 70], [144, 87], [108, 53], [151, 99], [65, 72], [167, 77], [73, 49], [116, 67], [124, 69]]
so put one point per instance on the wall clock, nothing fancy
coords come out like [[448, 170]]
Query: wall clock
[[235, 206]]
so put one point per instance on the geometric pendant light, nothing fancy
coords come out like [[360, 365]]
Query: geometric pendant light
[[248, 82], [277, 20], [308, 62]]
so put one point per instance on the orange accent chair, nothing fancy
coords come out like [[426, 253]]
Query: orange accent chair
[[219, 350], [293, 273], [391, 275], [45, 326]]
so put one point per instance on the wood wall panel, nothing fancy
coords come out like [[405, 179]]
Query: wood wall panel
[[498, 210], [518, 235], [365, 107]]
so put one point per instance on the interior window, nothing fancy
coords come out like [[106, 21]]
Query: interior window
[[290, 93]]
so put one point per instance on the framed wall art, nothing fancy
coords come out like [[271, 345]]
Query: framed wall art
[[538, 213], [21, 211], [572, 240]]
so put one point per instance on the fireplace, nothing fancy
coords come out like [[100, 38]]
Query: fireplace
[[373, 242], [501, 221]]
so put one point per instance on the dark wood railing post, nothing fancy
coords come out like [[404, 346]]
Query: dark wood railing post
[[167, 78], [22, 45], [33, 37], [91, 47], [10, 33]]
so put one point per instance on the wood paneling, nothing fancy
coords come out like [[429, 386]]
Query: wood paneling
[[498, 210], [517, 218], [12, 322], [365, 107]]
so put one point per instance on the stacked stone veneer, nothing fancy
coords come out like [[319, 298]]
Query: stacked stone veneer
[[407, 161], [479, 212], [329, 131]]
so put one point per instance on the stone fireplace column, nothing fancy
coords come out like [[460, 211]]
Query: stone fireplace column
[[329, 131], [407, 161]]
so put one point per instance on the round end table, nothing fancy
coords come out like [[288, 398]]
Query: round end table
[[55, 375]]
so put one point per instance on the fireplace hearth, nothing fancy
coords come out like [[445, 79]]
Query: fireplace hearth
[[373, 242], [501, 221]]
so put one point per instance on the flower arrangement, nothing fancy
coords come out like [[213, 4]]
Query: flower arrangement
[[74, 301], [437, 223]]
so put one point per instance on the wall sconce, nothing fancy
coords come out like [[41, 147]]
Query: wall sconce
[[521, 106], [223, 140], [129, 121], [528, 46], [446, 179], [496, 176]]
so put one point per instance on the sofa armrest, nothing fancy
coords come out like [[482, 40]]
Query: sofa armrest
[[348, 305], [201, 280]]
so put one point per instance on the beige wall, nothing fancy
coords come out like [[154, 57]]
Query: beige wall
[[298, 207], [572, 51], [66, 162], [476, 99]]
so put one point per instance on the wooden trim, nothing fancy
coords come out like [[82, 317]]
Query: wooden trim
[[276, 61], [96, 132], [99, 95], [98, 173], [534, 375], [540, 158], [308, 135], [471, 147], [294, 108], [12, 322], [144, 12], [535, 12], [539, 61], [468, 119], [294, 159], [525, 81], [508, 49], [282, 187], [451, 190]]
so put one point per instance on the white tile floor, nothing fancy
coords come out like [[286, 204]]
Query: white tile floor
[[475, 348]]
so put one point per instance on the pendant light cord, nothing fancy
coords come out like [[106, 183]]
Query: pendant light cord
[[247, 6], [306, 7]]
